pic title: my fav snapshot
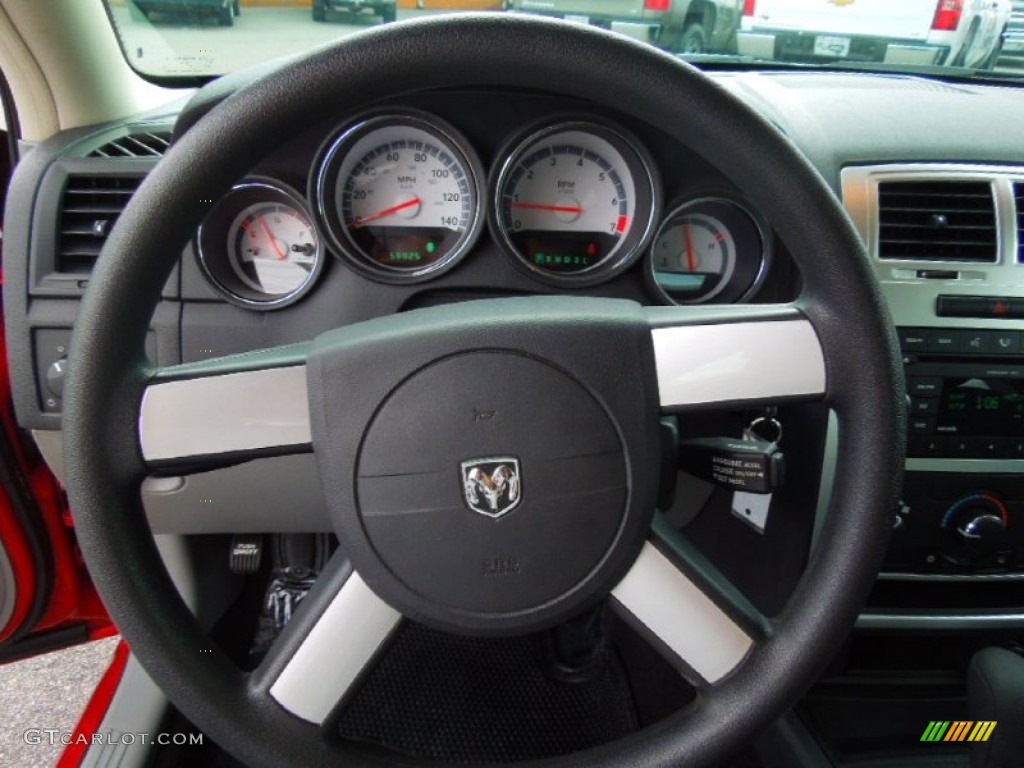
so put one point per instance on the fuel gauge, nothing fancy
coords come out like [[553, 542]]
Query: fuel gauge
[[272, 248], [258, 246], [709, 249]]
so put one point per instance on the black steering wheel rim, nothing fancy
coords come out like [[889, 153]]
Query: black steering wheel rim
[[841, 299]]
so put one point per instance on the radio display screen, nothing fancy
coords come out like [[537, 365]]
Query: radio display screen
[[982, 406]]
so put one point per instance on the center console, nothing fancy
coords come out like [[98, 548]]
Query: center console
[[963, 502], [946, 244]]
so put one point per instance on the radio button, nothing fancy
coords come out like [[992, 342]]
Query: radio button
[[959, 448], [913, 339], [926, 446], [945, 341], [924, 406], [1013, 447], [922, 425], [925, 386], [1006, 342], [985, 447], [976, 342]]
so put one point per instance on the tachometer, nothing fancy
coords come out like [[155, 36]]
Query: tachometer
[[575, 202], [399, 196]]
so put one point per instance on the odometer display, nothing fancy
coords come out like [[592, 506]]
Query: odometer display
[[574, 202], [400, 196]]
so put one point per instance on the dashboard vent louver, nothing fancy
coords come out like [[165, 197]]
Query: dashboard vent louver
[[1018, 198], [89, 207], [141, 144], [937, 221]]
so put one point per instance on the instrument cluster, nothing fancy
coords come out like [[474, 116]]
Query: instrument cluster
[[401, 196]]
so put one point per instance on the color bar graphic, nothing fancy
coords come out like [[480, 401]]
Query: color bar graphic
[[935, 731], [982, 730], [958, 730]]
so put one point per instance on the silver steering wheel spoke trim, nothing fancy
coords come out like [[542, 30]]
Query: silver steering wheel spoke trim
[[700, 623], [226, 409], [336, 652], [716, 357]]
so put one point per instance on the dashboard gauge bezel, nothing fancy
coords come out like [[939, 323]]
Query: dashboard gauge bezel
[[646, 208], [332, 157], [211, 238], [726, 294]]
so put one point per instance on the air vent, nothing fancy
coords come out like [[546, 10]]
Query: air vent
[[936, 221], [142, 144], [1018, 198], [89, 208]]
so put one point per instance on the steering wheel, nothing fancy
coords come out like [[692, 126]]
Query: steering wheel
[[577, 385]]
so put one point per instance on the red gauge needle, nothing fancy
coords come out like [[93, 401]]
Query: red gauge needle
[[359, 221], [555, 208], [689, 248], [270, 237]]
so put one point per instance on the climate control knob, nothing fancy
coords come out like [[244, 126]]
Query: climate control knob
[[980, 526], [979, 521]]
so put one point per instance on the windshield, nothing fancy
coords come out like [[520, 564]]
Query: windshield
[[189, 39]]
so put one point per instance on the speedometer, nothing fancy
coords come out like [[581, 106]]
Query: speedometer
[[399, 196], [575, 202]]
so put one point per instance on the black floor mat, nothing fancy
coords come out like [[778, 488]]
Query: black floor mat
[[463, 699]]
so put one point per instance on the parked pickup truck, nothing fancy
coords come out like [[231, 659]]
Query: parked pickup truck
[[959, 33], [681, 26], [1013, 40], [386, 9], [221, 11]]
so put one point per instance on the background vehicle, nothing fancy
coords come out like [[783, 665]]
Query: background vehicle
[[222, 11], [452, 5], [386, 9], [1013, 41], [685, 26], [965, 33]]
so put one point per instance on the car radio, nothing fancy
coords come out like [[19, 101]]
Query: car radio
[[963, 506], [966, 393]]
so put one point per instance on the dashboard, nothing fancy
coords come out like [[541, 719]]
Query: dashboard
[[452, 196], [457, 195], [401, 197], [444, 197]]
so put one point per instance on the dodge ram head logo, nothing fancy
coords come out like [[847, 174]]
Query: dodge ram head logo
[[493, 486]]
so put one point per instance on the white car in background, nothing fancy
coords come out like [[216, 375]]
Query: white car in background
[[963, 33]]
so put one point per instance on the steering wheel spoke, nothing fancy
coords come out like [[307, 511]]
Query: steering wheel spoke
[[201, 415], [682, 604], [713, 357], [328, 645]]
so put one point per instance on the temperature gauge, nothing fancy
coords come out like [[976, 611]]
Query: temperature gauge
[[709, 249]]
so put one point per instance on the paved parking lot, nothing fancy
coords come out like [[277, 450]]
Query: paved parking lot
[[168, 44], [47, 692], [172, 44]]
